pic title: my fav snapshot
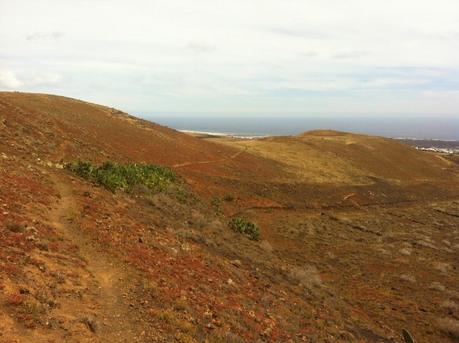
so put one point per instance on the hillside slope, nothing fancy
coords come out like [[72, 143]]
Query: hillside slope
[[62, 128], [325, 156], [57, 128], [355, 245]]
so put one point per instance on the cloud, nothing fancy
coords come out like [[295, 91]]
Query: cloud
[[200, 47], [52, 36], [309, 54], [350, 55], [239, 55], [45, 79], [298, 33], [9, 80]]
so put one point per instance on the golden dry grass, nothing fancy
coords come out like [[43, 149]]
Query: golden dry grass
[[342, 158]]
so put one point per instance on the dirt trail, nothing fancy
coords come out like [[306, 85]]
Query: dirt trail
[[233, 156], [113, 320]]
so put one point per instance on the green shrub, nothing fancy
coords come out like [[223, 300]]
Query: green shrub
[[245, 227], [215, 202], [115, 176]]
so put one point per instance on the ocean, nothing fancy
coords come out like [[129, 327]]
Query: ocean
[[441, 128]]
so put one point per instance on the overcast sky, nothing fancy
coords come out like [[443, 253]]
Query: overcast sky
[[238, 57]]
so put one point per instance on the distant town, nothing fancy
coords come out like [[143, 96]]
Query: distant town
[[438, 146]]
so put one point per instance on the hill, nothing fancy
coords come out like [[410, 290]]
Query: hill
[[358, 234], [344, 158], [60, 128]]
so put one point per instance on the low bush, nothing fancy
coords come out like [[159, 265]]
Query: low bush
[[245, 227], [115, 176], [228, 198], [215, 202], [14, 227]]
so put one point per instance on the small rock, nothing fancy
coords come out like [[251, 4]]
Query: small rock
[[32, 229], [31, 238], [408, 278], [90, 323], [443, 267], [236, 263], [185, 247], [405, 251], [437, 286]]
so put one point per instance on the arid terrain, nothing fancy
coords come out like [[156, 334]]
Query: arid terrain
[[359, 235]]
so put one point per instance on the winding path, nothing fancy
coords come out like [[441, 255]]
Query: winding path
[[114, 322]]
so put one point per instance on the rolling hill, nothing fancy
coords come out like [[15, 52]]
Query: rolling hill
[[359, 235]]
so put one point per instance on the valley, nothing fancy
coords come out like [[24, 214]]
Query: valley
[[359, 235]]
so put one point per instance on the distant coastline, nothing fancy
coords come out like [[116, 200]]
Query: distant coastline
[[443, 129], [450, 146], [221, 134]]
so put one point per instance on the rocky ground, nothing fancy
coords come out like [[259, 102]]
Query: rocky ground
[[357, 262]]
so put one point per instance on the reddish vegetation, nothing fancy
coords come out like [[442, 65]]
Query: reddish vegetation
[[336, 262], [15, 300]]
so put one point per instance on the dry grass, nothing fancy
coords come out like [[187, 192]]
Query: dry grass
[[198, 219], [329, 156], [425, 244], [405, 251], [408, 278], [260, 297], [449, 326], [226, 338], [449, 305], [442, 267], [307, 276], [437, 286], [266, 246], [301, 161]]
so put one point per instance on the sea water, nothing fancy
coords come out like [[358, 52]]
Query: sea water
[[441, 128]]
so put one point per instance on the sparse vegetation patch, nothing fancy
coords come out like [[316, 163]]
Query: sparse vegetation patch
[[245, 227], [115, 176]]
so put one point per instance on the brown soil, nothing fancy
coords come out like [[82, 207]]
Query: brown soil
[[109, 274], [359, 235]]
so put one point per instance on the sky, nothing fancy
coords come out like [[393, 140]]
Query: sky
[[238, 57]]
